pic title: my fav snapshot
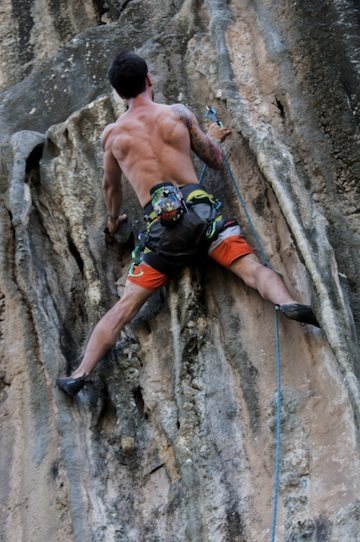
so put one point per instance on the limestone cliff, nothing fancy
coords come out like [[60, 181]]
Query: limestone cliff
[[174, 438]]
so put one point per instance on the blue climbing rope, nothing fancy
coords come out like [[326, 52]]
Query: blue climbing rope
[[212, 114], [278, 423], [202, 174], [263, 257]]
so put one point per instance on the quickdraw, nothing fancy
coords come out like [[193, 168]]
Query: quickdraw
[[137, 254]]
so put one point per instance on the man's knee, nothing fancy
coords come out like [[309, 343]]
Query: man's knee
[[125, 309], [133, 298]]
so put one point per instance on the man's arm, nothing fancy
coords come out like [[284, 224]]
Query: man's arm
[[206, 146], [112, 187]]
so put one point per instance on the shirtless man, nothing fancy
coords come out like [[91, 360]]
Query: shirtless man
[[150, 145]]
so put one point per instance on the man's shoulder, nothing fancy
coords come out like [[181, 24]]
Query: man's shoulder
[[166, 108], [109, 130], [106, 133], [180, 108], [183, 112]]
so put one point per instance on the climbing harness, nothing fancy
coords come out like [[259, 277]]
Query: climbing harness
[[212, 114], [167, 247]]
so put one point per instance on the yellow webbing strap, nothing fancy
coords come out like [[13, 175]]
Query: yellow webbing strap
[[151, 216], [199, 193]]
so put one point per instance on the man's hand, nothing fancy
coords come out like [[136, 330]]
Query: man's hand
[[113, 223], [219, 133]]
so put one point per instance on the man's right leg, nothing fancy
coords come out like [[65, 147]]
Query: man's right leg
[[231, 250], [263, 279]]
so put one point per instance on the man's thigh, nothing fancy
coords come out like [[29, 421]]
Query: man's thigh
[[229, 246]]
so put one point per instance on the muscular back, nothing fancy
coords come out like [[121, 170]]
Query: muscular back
[[151, 144]]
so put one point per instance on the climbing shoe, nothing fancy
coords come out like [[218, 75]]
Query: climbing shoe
[[300, 313], [71, 386]]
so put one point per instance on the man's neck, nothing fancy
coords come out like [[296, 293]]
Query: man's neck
[[141, 100]]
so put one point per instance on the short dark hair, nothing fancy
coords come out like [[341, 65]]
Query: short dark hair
[[127, 74]]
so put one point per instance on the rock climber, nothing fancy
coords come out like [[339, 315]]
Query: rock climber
[[150, 145]]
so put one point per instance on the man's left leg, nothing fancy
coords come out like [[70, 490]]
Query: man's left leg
[[108, 328]]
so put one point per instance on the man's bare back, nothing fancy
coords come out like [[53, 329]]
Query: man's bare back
[[151, 143]]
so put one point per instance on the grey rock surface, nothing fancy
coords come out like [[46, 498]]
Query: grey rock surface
[[174, 438]]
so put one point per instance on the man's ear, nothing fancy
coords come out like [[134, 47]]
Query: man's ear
[[149, 80]]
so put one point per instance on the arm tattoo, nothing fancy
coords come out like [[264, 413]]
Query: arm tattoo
[[184, 114], [204, 147], [217, 152]]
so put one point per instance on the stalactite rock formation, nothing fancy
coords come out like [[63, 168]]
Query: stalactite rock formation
[[173, 439]]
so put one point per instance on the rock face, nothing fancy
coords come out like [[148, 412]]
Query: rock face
[[174, 438]]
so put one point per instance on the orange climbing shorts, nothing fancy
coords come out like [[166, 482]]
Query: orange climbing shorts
[[146, 276], [228, 247]]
